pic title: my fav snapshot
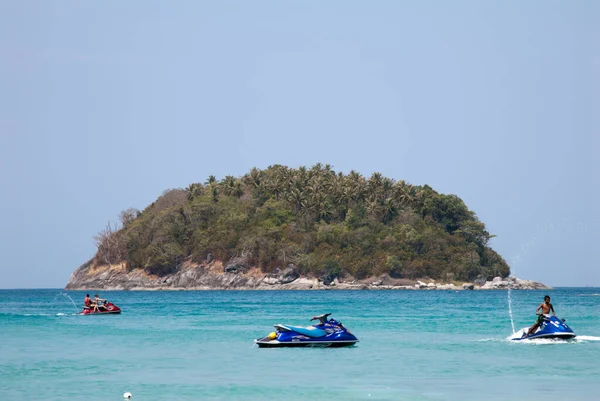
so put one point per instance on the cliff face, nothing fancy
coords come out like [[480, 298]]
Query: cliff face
[[237, 276], [211, 276]]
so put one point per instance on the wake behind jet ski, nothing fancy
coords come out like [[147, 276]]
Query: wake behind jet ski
[[326, 333], [550, 327]]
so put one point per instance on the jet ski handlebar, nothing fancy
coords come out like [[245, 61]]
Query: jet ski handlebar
[[322, 318]]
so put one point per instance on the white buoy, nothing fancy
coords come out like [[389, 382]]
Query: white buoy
[[127, 395]]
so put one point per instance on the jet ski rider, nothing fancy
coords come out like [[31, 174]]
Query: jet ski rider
[[87, 302], [96, 301], [546, 307]]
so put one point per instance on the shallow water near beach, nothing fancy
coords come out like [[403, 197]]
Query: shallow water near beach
[[198, 345]]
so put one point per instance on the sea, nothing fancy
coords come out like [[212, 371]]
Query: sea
[[198, 345]]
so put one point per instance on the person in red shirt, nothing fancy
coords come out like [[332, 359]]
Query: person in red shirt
[[87, 302]]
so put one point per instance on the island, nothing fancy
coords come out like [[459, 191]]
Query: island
[[297, 228]]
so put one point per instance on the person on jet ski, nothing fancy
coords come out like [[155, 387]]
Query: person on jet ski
[[96, 302], [546, 307], [87, 302]]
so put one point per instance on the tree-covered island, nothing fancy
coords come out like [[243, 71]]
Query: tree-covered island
[[320, 223]]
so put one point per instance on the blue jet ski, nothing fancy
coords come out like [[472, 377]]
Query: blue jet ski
[[551, 327], [326, 333]]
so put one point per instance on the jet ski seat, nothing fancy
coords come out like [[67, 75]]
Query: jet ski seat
[[307, 331]]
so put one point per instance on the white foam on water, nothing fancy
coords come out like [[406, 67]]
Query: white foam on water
[[538, 341], [485, 340], [517, 334], [542, 341], [586, 338], [535, 341], [44, 314], [32, 314]]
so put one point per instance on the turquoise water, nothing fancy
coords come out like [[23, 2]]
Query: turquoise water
[[198, 345]]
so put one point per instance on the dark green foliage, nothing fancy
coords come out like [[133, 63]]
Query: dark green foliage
[[331, 271], [394, 266], [326, 223]]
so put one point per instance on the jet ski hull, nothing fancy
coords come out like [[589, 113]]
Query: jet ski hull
[[308, 344], [100, 313], [551, 328], [107, 309]]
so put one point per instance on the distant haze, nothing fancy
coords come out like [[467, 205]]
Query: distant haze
[[103, 105]]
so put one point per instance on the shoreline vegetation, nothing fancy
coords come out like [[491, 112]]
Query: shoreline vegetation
[[297, 228]]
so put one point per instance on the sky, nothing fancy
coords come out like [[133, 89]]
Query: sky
[[104, 105]]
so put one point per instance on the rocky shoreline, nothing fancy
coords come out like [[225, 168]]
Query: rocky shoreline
[[237, 276]]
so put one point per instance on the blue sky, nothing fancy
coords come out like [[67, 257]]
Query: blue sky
[[103, 105]]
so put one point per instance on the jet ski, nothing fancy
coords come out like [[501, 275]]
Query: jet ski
[[106, 307], [326, 333], [551, 327]]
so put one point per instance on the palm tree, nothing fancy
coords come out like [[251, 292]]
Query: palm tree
[[339, 193], [375, 186], [389, 210], [356, 183], [194, 190], [325, 210], [302, 174], [297, 198], [227, 185], [419, 198], [279, 181], [254, 178], [238, 189], [387, 186], [374, 208]]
